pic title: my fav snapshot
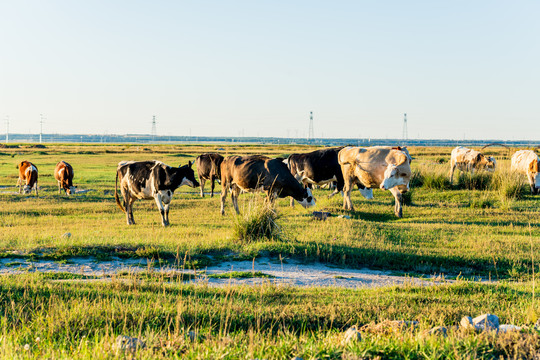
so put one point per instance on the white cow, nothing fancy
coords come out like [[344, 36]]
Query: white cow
[[526, 162]]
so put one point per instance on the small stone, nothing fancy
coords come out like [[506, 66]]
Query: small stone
[[344, 217], [466, 322], [127, 343], [404, 324], [321, 215], [193, 335], [27, 347], [66, 235], [507, 328], [352, 335], [438, 330], [486, 322]]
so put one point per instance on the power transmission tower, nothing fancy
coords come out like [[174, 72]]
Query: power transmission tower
[[7, 129], [311, 132], [154, 129], [405, 135], [40, 127]]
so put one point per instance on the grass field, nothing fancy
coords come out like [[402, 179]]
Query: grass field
[[483, 226]]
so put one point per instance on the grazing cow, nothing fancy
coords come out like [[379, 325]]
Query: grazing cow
[[28, 177], [469, 160], [527, 162], [320, 167], [209, 168], [63, 173], [260, 173], [378, 166], [150, 180]]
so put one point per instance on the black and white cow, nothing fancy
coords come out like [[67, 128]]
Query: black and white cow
[[320, 167], [146, 180]]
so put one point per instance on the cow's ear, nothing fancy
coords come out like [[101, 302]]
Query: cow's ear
[[478, 157], [533, 166], [190, 164]]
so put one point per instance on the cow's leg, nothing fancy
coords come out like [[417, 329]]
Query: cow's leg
[[36, 185], [19, 185], [398, 210], [335, 192], [212, 185], [166, 208], [202, 181], [128, 205], [347, 188], [131, 201], [223, 197], [234, 196], [452, 169], [159, 203]]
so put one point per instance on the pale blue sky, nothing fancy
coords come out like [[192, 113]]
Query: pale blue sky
[[457, 68]]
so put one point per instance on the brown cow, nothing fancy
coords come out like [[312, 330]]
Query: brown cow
[[469, 160], [378, 166], [260, 173], [526, 162], [28, 177], [209, 168], [63, 173]]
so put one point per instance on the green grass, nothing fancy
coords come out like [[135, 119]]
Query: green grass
[[239, 275], [81, 319], [491, 231], [444, 229]]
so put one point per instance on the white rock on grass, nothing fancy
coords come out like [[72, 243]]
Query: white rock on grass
[[126, 343], [66, 235], [507, 328], [466, 322], [352, 335], [486, 322]]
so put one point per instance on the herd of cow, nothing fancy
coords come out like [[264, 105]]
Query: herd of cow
[[384, 167]]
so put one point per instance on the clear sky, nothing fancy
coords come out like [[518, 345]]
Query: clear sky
[[458, 68]]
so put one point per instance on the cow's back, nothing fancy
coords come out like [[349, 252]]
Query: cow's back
[[209, 165], [522, 160], [28, 173], [63, 172]]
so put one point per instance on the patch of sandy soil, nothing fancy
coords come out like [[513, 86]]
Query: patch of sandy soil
[[289, 272]]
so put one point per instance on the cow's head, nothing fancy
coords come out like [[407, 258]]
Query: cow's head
[[397, 175], [27, 189], [71, 190], [490, 163], [533, 170], [307, 199], [189, 176]]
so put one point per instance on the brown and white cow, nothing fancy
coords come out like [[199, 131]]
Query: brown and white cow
[[28, 177], [469, 160], [260, 173], [63, 173], [209, 168], [527, 162], [378, 166]]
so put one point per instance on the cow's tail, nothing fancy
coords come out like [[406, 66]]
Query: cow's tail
[[116, 193]]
